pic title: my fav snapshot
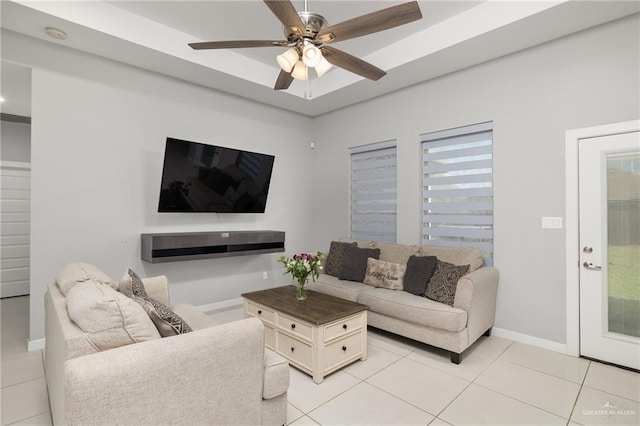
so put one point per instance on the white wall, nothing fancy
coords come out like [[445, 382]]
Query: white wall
[[15, 141], [98, 136], [532, 97]]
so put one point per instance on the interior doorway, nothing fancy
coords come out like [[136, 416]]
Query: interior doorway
[[603, 250]]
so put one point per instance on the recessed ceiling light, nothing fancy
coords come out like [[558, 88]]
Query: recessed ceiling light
[[1, 99], [55, 33]]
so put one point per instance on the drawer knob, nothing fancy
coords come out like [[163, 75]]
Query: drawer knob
[[344, 348], [260, 312], [292, 349], [293, 326], [344, 326]]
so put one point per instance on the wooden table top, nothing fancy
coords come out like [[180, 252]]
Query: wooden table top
[[317, 309]]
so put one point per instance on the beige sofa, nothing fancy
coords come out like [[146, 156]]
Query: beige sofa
[[453, 328], [216, 374]]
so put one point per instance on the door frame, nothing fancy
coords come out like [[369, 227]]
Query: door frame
[[572, 235]]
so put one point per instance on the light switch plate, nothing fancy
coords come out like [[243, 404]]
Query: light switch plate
[[552, 223]]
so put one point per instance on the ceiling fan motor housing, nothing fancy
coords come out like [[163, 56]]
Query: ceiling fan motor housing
[[313, 23]]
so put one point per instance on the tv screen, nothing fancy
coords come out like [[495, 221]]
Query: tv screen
[[206, 178]]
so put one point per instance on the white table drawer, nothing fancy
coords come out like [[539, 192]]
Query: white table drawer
[[342, 327], [294, 326], [294, 349], [260, 312], [269, 337], [342, 351]]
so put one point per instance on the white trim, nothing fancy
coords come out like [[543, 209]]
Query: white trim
[[572, 237], [392, 143], [35, 345], [529, 340], [15, 165], [219, 306]]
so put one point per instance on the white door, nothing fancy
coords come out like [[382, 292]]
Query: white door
[[609, 173], [15, 187]]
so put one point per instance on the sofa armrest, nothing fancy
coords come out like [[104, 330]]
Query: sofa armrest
[[476, 294], [157, 288], [276, 375], [209, 375]]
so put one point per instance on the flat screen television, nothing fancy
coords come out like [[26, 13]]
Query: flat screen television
[[207, 178]]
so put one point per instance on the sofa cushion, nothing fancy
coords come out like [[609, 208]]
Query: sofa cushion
[[442, 285], [167, 322], [108, 319], [335, 258], [396, 253], [354, 265], [456, 255], [335, 287], [78, 272], [384, 274], [415, 309], [419, 271], [276, 375]]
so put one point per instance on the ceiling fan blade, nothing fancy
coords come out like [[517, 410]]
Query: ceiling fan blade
[[237, 44], [381, 20], [284, 81], [288, 15], [351, 63]]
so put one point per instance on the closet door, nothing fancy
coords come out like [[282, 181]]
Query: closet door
[[15, 215]]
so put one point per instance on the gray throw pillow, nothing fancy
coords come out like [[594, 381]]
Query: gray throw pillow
[[420, 269], [335, 258], [166, 321], [443, 283], [354, 266]]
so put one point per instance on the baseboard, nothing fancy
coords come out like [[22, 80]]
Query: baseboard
[[35, 345], [529, 340], [219, 306]]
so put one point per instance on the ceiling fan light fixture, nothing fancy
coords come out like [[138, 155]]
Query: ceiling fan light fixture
[[300, 71], [288, 59], [311, 55], [323, 67]]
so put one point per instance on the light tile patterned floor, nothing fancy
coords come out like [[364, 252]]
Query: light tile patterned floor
[[499, 382]]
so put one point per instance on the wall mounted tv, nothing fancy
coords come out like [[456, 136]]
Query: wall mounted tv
[[206, 178]]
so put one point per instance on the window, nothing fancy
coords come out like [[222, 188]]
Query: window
[[373, 192], [457, 188]]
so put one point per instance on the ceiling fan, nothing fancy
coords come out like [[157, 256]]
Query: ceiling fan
[[308, 38]]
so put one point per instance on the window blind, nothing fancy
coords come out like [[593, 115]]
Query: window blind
[[457, 188], [373, 192]]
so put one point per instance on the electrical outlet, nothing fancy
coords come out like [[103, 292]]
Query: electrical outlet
[[265, 275]]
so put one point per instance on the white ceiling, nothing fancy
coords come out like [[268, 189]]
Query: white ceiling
[[452, 35]]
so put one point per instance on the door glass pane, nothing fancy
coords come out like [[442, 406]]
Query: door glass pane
[[623, 189]]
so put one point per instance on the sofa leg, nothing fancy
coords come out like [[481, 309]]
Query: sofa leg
[[455, 358], [488, 332]]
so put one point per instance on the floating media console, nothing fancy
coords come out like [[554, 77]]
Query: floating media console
[[174, 247]]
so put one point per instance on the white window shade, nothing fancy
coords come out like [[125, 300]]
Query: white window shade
[[373, 192], [457, 194]]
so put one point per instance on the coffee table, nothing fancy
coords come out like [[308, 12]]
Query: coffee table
[[318, 335]]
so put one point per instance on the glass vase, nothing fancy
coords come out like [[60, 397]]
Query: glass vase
[[301, 289]]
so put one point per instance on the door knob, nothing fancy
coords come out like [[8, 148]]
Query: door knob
[[589, 265]]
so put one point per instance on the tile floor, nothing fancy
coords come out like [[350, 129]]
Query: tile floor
[[499, 382]]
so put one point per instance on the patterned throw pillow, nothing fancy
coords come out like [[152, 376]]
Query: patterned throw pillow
[[384, 274], [354, 266], [166, 321], [420, 269], [443, 284], [335, 258]]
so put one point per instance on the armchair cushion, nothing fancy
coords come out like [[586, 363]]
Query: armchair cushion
[[276, 375], [108, 319], [78, 272], [167, 322]]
